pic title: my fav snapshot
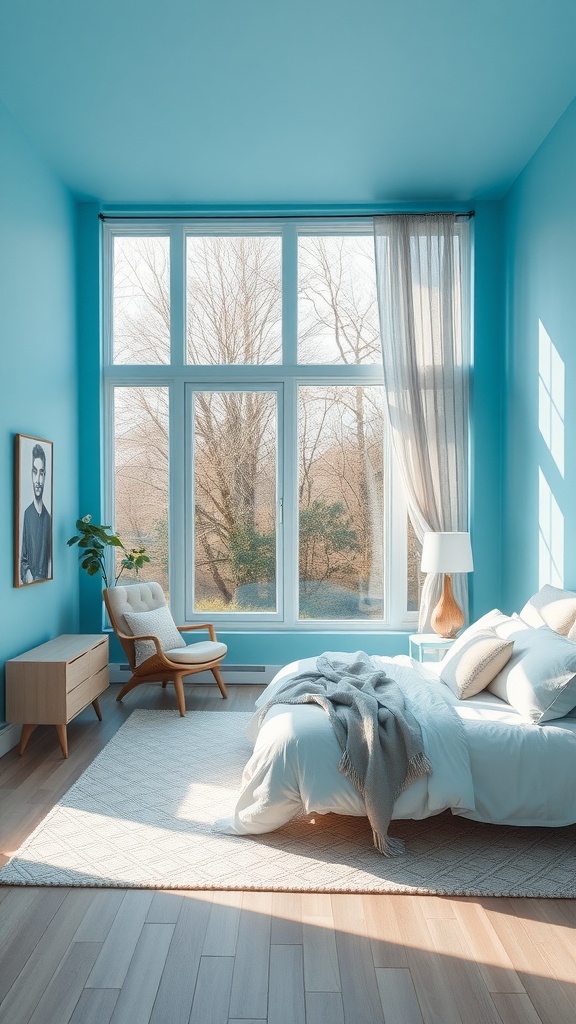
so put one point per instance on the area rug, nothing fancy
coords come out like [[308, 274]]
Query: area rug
[[140, 817]]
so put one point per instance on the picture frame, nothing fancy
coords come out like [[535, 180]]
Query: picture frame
[[33, 507]]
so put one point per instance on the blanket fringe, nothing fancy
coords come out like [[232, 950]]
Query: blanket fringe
[[348, 769], [418, 766], [389, 846]]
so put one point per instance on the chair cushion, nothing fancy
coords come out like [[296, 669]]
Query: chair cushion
[[157, 622], [196, 654], [133, 597]]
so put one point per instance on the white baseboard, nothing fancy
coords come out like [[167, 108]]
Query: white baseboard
[[9, 737], [232, 674]]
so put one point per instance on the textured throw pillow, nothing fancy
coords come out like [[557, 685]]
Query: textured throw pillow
[[157, 622], [540, 678], [473, 661], [553, 607]]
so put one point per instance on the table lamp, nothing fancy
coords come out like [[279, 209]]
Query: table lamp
[[447, 553]]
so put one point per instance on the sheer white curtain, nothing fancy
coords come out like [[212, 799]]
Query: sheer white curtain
[[423, 281]]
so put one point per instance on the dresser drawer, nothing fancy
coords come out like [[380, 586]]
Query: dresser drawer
[[78, 670], [99, 657], [86, 692]]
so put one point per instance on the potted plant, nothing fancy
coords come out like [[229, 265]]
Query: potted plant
[[94, 540]]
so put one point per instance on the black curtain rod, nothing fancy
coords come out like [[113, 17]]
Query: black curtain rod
[[279, 216]]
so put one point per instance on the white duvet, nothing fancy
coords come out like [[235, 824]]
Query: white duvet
[[488, 763]]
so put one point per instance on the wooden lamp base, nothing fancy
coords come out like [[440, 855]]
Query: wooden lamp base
[[447, 617]]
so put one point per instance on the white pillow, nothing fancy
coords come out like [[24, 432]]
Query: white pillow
[[157, 622], [540, 678], [503, 625], [553, 607], [474, 660]]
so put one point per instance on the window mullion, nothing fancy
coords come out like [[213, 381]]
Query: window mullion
[[290, 295], [290, 449], [177, 497], [177, 296]]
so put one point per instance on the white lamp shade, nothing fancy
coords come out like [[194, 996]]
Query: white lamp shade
[[446, 552]]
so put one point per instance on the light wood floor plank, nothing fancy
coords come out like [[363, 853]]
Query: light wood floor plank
[[249, 997], [62, 994], [138, 993], [39, 970], [360, 997], [486, 948], [324, 1008], [427, 969], [546, 994], [15, 907], [382, 930], [26, 934], [515, 1008], [286, 1003], [95, 1006], [321, 970], [117, 951], [470, 993], [98, 919], [286, 918], [165, 908], [398, 996], [176, 990], [223, 923], [212, 996]]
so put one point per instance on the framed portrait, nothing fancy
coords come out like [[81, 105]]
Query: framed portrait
[[33, 492]]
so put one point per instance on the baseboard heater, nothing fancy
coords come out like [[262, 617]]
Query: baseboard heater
[[248, 674]]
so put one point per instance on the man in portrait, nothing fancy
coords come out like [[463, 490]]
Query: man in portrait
[[36, 549]]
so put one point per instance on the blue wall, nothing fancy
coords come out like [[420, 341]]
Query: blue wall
[[486, 410], [540, 493], [38, 379]]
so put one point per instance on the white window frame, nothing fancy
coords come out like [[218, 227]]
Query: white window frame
[[181, 378]]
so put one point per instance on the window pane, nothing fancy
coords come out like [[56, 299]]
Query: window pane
[[141, 305], [337, 303], [341, 503], [235, 501], [234, 305], [141, 477]]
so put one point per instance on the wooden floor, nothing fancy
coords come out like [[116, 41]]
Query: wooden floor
[[91, 956]]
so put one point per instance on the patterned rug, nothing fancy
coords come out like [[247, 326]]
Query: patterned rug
[[140, 817]]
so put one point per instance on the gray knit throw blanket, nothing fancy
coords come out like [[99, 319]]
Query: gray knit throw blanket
[[380, 739]]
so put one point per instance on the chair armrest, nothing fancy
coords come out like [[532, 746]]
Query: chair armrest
[[133, 639], [199, 625]]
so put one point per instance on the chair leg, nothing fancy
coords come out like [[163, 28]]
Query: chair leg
[[179, 687], [221, 684], [129, 686]]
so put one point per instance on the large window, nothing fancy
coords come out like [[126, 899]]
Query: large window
[[247, 441]]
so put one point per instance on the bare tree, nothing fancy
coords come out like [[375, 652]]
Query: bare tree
[[233, 304]]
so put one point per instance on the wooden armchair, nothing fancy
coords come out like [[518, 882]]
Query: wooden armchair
[[152, 642]]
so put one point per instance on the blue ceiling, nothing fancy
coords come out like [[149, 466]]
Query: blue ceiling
[[287, 101]]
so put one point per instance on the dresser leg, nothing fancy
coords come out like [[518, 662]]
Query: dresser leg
[[63, 737], [96, 706], [27, 731]]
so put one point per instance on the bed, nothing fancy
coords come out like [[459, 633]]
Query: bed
[[499, 731]]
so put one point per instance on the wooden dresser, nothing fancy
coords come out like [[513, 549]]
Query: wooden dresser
[[52, 683]]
